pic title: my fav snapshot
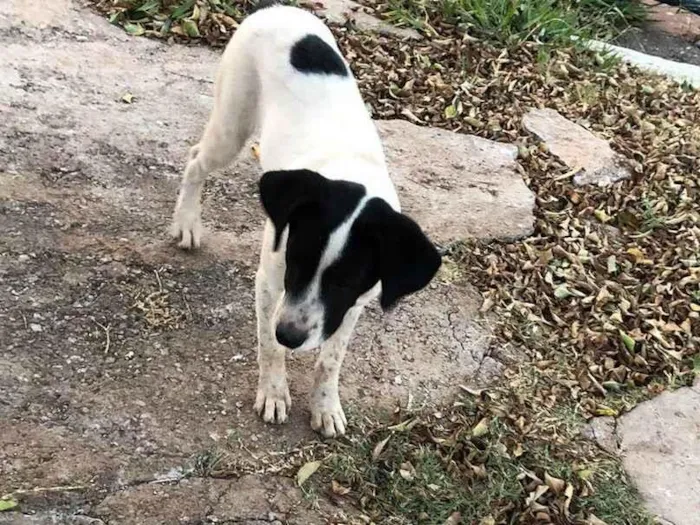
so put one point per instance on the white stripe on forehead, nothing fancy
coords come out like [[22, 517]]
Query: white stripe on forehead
[[337, 240]]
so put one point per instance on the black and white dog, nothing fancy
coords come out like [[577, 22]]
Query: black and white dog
[[335, 238]]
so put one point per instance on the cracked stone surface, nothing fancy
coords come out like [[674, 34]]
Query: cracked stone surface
[[591, 156], [660, 446], [122, 357]]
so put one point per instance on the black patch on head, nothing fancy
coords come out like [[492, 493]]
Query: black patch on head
[[312, 54], [264, 4], [383, 245], [312, 206], [354, 273]]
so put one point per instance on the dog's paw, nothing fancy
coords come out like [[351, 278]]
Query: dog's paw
[[273, 401], [187, 227], [327, 416]]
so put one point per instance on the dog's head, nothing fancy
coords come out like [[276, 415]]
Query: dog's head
[[339, 246]]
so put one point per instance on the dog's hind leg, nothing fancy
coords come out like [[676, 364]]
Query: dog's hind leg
[[231, 123]]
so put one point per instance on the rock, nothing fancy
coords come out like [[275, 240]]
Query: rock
[[340, 11], [672, 20], [660, 444], [578, 148], [602, 431], [457, 186]]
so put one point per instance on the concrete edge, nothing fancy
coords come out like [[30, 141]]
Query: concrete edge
[[678, 71]]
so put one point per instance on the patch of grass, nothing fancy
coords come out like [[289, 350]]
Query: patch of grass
[[511, 22], [207, 463], [504, 21], [613, 493], [470, 461], [413, 481]]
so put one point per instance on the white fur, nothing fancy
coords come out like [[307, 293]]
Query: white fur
[[306, 121]]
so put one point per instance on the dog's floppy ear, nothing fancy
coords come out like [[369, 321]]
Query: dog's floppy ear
[[407, 259], [283, 192]]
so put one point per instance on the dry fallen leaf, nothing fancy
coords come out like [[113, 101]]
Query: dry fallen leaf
[[568, 494], [255, 149], [557, 485], [306, 471], [481, 428], [535, 495], [338, 489], [407, 471], [376, 452], [518, 450], [593, 520], [454, 519]]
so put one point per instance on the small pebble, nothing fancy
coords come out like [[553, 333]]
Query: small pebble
[[35, 327]]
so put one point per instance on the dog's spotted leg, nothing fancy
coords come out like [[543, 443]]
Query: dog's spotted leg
[[327, 416], [272, 401]]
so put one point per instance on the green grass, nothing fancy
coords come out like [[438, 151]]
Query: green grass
[[615, 500], [191, 19], [412, 481], [424, 472], [512, 21]]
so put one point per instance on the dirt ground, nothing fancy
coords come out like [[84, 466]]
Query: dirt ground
[[122, 359]]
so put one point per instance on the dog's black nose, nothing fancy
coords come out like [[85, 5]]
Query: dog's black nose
[[289, 335]]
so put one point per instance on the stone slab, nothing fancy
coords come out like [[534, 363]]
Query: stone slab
[[673, 20], [458, 186], [340, 11], [577, 147], [660, 445]]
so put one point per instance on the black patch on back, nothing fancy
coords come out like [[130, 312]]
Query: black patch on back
[[313, 55]]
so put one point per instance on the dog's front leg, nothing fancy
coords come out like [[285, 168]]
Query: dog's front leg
[[327, 416], [272, 401]]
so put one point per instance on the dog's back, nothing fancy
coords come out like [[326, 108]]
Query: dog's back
[[302, 96]]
